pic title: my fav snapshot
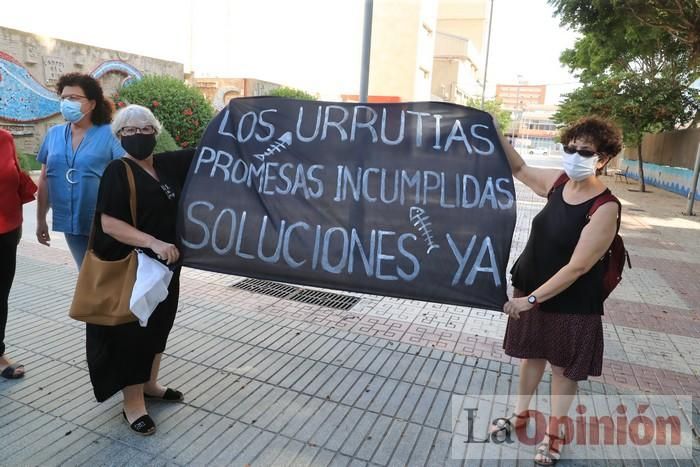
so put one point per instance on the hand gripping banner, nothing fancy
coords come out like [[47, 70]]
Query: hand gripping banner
[[411, 200]]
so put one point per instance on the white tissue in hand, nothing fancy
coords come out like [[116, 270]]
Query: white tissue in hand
[[150, 288]]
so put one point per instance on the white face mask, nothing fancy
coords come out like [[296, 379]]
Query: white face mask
[[578, 167]]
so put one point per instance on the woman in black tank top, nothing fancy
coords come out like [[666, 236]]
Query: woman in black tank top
[[555, 312]]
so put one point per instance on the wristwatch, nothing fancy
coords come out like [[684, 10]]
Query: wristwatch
[[532, 300]]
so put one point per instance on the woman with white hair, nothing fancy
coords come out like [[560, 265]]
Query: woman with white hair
[[127, 357]]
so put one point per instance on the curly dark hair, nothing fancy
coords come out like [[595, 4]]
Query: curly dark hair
[[606, 136], [93, 90]]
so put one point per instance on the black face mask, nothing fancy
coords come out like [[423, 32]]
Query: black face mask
[[139, 146]]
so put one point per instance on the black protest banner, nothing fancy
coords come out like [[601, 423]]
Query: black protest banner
[[411, 200]]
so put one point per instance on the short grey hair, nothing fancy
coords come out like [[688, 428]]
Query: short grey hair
[[137, 116]]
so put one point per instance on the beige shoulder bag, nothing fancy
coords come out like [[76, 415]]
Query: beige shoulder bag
[[104, 287]]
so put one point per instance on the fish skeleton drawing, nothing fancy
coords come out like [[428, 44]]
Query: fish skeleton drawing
[[24, 99], [282, 143], [422, 221]]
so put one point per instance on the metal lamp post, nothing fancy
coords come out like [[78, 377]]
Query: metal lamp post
[[693, 184], [486, 64], [696, 170], [366, 48]]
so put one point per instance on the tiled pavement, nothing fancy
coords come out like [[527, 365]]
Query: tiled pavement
[[274, 382]]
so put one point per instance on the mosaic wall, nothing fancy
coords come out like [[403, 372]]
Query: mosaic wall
[[23, 99], [31, 65], [674, 179]]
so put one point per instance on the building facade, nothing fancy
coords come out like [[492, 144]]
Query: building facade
[[403, 40], [426, 50], [526, 104], [459, 55], [219, 91], [517, 97], [30, 66], [455, 69], [535, 129]]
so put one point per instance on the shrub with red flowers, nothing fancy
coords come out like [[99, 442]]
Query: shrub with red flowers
[[182, 109]]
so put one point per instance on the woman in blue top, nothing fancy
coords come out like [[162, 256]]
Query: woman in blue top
[[73, 157]]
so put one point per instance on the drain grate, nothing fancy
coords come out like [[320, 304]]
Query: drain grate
[[298, 294], [327, 299], [273, 289]]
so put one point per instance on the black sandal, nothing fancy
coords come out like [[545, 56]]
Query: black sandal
[[144, 425], [170, 395], [550, 454], [504, 424], [9, 371]]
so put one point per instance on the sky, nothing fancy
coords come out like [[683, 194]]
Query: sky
[[311, 44]]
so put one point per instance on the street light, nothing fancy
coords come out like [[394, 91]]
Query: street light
[[693, 184], [486, 65], [696, 170], [366, 50]]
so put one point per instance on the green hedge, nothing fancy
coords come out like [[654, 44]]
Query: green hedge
[[291, 93], [28, 162], [165, 142], [182, 109]]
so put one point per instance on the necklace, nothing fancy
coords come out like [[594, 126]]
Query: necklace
[[71, 164]]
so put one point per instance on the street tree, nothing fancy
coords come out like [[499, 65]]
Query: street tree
[[639, 106], [680, 18], [635, 73], [495, 108]]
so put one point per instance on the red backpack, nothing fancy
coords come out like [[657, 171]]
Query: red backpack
[[616, 255]]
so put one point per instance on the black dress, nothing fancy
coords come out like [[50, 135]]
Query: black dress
[[566, 330], [120, 356]]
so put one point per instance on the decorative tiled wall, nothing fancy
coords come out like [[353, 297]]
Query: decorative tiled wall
[[674, 179], [30, 66]]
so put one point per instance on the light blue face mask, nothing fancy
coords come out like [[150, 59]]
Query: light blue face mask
[[71, 111]]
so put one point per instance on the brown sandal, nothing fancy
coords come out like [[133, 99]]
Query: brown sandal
[[550, 454], [503, 424]]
